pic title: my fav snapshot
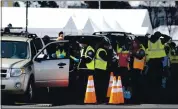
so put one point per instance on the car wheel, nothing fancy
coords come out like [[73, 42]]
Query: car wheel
[[29, 94]]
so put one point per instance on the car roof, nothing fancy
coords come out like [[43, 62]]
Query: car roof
[[15, 38], [84, 35]]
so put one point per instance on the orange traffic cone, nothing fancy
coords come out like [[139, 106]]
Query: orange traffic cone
[[90, 96], [110, 84], [120, 91], [113, 97]]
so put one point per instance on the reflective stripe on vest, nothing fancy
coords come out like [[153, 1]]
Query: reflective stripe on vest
[[99, 62], [58, 53], [139, 64], [118, 49], [142, 47], [90, 65], [156, 50]]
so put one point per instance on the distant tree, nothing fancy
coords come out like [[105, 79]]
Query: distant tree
[[43, 3], [154, 8], [16, 4], [176, 3], [115, 5], [170, 17], [92, 4], [109, 4], [153, 12], [52, 4]]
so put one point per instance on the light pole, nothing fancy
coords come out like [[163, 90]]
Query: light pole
[[99, 2], [26, 30]]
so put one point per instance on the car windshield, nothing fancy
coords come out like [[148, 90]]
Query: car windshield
[[14, 50]]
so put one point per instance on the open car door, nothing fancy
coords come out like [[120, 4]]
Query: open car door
[[51, 70]]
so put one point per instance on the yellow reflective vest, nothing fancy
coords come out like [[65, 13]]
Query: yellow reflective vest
[[99, 62], [91, 65], [155, 50], [58, 53]]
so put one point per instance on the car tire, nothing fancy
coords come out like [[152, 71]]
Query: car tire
[[30, 92]]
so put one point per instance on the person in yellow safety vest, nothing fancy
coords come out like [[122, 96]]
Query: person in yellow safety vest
[[102, 75], [62, 53], [138, 63], [85, 68], [156, 54]]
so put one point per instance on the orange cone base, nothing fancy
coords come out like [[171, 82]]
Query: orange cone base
[[90, 98]]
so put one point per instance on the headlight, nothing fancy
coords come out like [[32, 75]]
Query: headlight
[[17, 72]]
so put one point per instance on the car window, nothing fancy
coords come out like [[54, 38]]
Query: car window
[[33, 49], [38, 44], [57, 50]]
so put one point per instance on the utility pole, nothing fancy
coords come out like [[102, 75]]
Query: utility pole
[[99, 2], [26, 30]]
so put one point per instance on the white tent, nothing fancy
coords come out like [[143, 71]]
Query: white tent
[[130, 19], [139, 31], [105, 26], [53, 20], [146, 22], [90, 27], [70, 27]]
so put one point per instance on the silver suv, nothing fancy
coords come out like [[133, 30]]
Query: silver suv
[[27, 64]]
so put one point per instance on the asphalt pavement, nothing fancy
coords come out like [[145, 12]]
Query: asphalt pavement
[[91, 106], [59, 98]]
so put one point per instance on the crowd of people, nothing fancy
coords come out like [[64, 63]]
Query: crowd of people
[[142, 68]]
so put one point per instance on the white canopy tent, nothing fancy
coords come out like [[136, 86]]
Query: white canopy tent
[[139, 31], [90, 27], [70, 27], [51, 21], [105, 26], [114, 24]]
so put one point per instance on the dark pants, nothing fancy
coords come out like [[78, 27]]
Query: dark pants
[[137, 85], [82, 80], [101, 80], [125, 75], [154, 79], [172, 86]]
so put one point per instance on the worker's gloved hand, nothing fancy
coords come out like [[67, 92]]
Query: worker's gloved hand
[[61, 56], [54, 55], [76, 60]]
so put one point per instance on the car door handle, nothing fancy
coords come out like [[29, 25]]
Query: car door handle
[[61, 67], [61, 64]]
